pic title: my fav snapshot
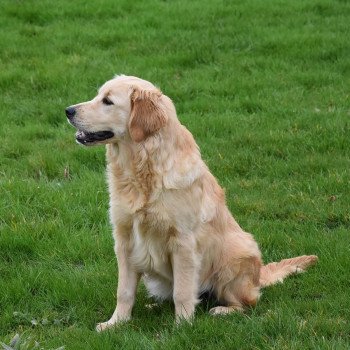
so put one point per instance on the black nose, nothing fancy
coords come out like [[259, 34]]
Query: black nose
[[70, 112]]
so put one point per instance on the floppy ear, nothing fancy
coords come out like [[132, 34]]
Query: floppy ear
[[147, 115]]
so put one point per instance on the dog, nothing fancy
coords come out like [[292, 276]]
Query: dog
[[171, 225]]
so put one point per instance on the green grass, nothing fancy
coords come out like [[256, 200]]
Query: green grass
[[264, 88]]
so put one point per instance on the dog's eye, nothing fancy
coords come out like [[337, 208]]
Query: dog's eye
[[107, 101]]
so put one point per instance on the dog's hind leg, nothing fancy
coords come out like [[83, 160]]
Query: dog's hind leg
[[242, 290]]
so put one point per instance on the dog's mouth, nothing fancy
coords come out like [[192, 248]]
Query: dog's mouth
[[89, 138]]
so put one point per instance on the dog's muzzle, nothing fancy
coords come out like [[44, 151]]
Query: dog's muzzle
[[87, 138]]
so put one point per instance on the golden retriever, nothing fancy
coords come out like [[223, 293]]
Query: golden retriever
[[171, 225]]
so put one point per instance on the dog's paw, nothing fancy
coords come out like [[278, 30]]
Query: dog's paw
[[224, 310], [111, 323], [218, 310], [100, 327]]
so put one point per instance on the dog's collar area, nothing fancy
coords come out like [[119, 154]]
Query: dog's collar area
[[86, 138]]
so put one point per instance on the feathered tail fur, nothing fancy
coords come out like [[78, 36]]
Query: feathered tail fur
[[276, 271]]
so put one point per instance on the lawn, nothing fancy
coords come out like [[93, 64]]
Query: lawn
[[264, 88]]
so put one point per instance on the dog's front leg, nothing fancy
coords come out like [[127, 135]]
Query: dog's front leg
[[127, 284], [185, 274]]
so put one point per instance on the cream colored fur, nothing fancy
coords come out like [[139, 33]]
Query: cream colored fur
[[170, 221]]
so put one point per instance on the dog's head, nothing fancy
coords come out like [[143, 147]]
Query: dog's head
[[125, 108]]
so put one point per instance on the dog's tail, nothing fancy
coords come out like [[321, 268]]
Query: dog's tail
[[275, 272]]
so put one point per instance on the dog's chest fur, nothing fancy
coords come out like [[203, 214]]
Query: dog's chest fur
[[150, 246], [142, 206]]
